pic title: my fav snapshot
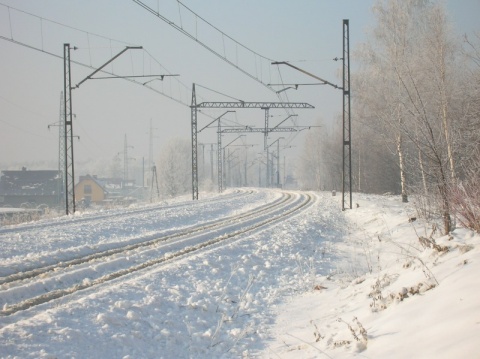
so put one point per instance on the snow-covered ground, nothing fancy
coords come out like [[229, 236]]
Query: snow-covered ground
[[289, 290]]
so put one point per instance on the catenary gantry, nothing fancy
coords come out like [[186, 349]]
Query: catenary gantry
[[266, 106]]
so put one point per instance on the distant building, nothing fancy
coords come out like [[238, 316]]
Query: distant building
[[90, 190], [28, 188]]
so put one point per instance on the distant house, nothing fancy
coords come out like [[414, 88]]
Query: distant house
[[89, 190], [30, 188]]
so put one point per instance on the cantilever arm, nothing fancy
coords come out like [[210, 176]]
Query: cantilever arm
[[306, 73], [106, 63]]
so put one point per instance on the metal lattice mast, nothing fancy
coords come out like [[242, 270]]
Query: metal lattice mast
[[246, 168], [211, 162], [347, 148], [68, 121], [278, 163], [125, 161], [265, 145], [154, 182], [240, 104], [265, 136], [219, 158], [194, 146], [61, 151], [68, 133], [267, 173], [150, 147], [346, 140]]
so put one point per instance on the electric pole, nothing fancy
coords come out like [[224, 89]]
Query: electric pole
[[125, 161]]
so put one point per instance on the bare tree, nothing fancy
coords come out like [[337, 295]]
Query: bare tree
[[174, 167], [381, 95], [409, 89]]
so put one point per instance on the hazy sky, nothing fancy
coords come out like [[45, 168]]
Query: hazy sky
[[306, 32]]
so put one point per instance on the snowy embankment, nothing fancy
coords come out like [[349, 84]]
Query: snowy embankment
[[402, 295], [288, 291]]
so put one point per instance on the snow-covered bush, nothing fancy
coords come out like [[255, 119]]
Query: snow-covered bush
[[465, 200]]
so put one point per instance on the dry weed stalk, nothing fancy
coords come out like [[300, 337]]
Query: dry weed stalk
[[360, 337]]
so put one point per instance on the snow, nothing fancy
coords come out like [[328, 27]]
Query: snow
[[289, 290]]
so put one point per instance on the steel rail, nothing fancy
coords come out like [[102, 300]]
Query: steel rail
[[37, 271], [17, 230], [58, 293]]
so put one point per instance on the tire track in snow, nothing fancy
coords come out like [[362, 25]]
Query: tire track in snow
[[281, 209]]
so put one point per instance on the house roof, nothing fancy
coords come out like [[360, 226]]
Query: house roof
[[94, 179], [26, 182]]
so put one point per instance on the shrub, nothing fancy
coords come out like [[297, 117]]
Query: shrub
[[465, 201]]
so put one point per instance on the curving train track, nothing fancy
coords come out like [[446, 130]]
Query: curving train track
[[23, 290]]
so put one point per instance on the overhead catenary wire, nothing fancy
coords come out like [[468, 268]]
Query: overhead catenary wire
[[102, 71], [181, 98], [223, 33], [219, 93], [110, 46], [90, 65], [40, 18], [195, 38], [88, 34]]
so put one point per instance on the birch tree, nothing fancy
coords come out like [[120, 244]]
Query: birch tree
[[410, 63], [393, 43]]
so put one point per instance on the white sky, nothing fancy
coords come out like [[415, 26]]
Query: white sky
[[106, 110]]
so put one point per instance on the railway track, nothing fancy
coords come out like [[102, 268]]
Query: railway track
[[144, 242], [21, 291], [70, 238], [126, 213]]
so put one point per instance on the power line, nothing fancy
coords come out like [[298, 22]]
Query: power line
[[149, 57], [219, 93], [195, 38], [223, 33], [59, 24], [23, 129], [23, 108], [103, 71]]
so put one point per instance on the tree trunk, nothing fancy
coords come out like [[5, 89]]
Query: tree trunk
[[424, 179], [447, 135], [401, 164]]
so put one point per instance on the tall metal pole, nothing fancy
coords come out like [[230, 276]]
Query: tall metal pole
[[203, 161], [228, 182], [194, 146], [267, 174], [259, 174], [150, 147], [222, 164], [246, 169], [224, 172], [154, 181], [346, 140], [347, 148], [126, 175], [265, 138], [125, 161], [61, 151], [278, 163], [219, 158], [68, 121], [211, 162]]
